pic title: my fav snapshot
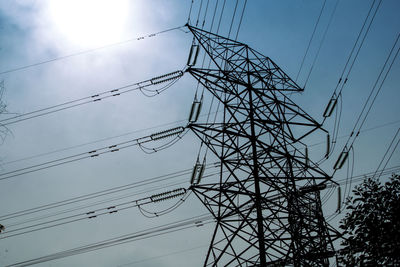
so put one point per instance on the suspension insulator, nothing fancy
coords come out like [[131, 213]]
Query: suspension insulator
[[328, 145], [339, 197], [201, 172], [330, 107], [196, 168], [193, 173], [341, 160], [198, 110], [197, 173], [193, 111], [193, 54], [306, 157]]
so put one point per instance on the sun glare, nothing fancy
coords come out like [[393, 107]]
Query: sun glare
[[90, 22]]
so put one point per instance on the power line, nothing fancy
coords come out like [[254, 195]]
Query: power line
[[363, 115], [337, 96], [106, 192], [88, 51], [220, 17], [343, 80], [198, 15], [361, 177], [355, 43], [321, 42], [170, 78], [177, 131], [390, 156], [144, 234], [241, 18], [93, 204], [311, 38], [376, 83], [353, 179], [357, 179], [205, 14], [162, 256], [387, 151], [97, 194], [91, 142], [110, 209], [94, 142], [190, 11], [233, 18], [362, 42], [362, 131]]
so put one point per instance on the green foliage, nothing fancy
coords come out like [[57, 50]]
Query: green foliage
[[371, 227]]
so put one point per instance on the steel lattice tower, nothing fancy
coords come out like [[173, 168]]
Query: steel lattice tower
[[266, 202]]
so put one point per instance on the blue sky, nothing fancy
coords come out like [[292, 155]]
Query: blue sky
[[36, 31]]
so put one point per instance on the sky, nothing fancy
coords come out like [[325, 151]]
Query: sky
[[108, 33]]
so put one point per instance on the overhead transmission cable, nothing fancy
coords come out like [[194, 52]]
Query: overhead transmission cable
[[241, 19], [139, 235], [362, 114], [390, 156], [109, 201], [321, 42], [337, 96], [190, 11], [113, 190], [367, 105], [205, 14], [220, 17], [177, 131], [362, 177], [88, 51], [348, 181], [386, 152], [343, 80], [162, 256], [93, 142], [233, 18], [357, 179], [92, 214], [196, 221], [170, 78], [198, 15], [310, 41]]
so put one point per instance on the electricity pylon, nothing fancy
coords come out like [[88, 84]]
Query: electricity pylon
[[266, 202]]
